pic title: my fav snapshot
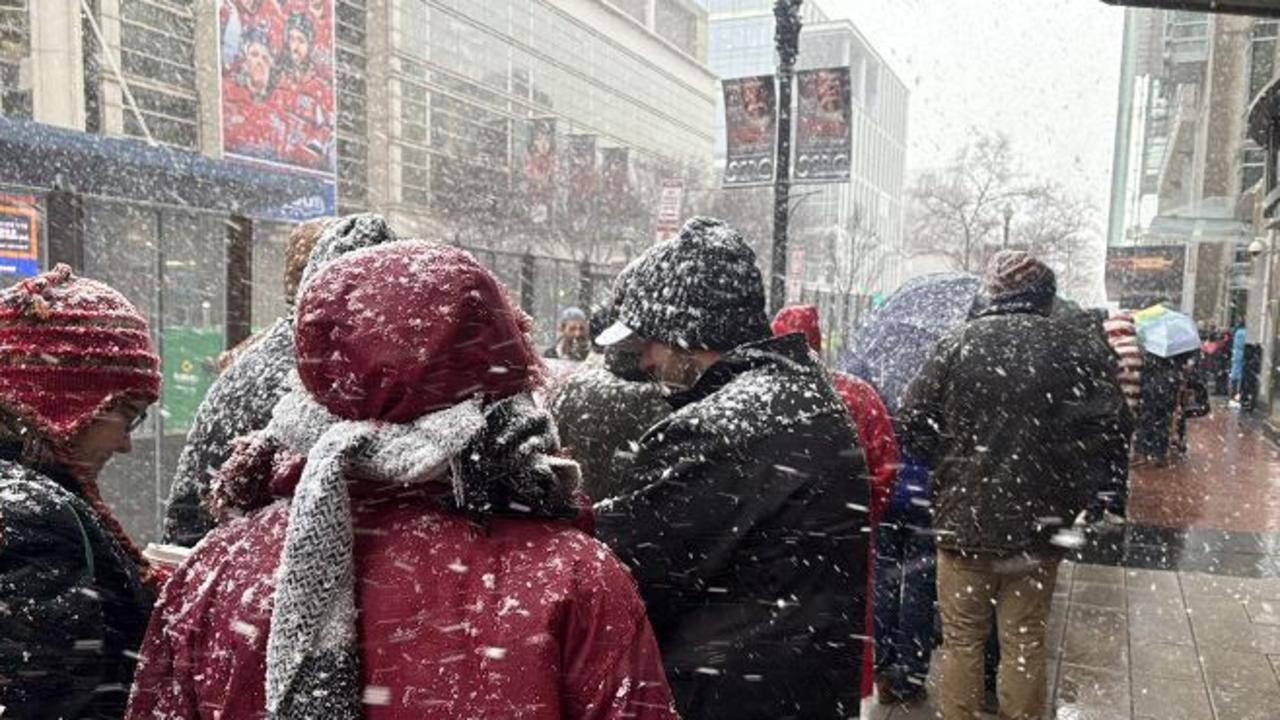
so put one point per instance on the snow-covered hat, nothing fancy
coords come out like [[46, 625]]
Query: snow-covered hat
[[700, 290], [70, 347], [399, 330], [1014, 273]]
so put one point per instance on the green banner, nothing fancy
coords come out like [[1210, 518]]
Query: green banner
[[190, 366]]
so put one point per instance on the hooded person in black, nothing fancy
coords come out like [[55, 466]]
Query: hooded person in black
[[1020, 417], [748, 531], [241, 399]]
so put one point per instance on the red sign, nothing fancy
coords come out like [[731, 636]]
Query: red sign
[[277, 60]]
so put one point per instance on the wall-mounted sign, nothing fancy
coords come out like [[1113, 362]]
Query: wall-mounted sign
[[19, 236]]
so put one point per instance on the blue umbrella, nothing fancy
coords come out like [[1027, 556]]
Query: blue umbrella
[[896, 341], [1168, 334]]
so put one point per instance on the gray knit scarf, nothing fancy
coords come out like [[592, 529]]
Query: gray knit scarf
[[313, 667]]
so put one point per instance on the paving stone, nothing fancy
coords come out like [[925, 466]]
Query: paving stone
[[1165, 660], [1153, 582], [1159, 623], [1096, 638], [1263, 612], [1227, 668], [1098, 594], [1088, 573], [1232, 703], [1170, 699], [1196, 584], [1086, 693]]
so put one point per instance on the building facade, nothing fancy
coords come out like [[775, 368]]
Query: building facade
[[850, 233], [112, 150], [1185, 165], [1200, 140]]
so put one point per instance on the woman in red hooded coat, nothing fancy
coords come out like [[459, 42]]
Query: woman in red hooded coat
[[408, 549], [875, 436]]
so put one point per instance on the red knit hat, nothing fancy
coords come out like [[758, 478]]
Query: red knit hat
[[399, 330], [71, 347]]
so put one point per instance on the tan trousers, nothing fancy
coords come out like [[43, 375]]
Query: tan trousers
[[1019, 591]]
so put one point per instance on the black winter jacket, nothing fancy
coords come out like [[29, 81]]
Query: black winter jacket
[[1022, 420], [748, 539], [74, 608], [240, 402]]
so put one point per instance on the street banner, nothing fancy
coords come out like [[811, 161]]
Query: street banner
[[540, 169], [1139, 277], [824, 140], [19, 236], [750, 122], [670, 209], [581, 162], [615, 178], [278, 99]]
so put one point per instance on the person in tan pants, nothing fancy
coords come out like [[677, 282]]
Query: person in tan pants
[[1019, 416], [1019, 589]]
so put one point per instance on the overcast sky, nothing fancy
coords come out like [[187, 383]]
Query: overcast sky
[[1043, 71]]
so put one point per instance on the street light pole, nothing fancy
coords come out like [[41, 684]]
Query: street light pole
[[786, 15], [1008, 218]]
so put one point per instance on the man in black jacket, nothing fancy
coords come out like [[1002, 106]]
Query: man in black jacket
[[747, 534], [1021, 419]]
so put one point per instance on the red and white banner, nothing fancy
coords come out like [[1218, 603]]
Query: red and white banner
[[540, 170], [670, 209], [751, 130], [278, 97], [824, 139]]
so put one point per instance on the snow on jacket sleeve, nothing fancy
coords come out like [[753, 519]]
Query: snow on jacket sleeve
[[613, 668], [52, 629], [922, 414]]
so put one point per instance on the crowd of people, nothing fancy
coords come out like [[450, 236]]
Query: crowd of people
[[395, 510]]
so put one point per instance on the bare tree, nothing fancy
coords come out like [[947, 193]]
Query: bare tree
[[980, 202], [958, 209]]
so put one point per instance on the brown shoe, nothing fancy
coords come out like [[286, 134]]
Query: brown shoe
[[888, 695], [885, 692]]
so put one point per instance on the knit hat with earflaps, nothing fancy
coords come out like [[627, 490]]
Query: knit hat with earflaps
[[700, 290], [70, 347]]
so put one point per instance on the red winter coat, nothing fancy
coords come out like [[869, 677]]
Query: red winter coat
[[875, 437], [520, 619]]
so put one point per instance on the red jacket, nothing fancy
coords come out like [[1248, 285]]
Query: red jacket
[[875, 436], [521, 619]]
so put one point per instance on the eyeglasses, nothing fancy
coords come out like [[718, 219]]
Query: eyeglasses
[[137, 421]]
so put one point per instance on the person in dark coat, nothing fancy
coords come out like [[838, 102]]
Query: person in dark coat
[[748, 530], [241, 399], [1161, 386], [408, 549], [602, 411], [78, 376], [1015, 413]]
